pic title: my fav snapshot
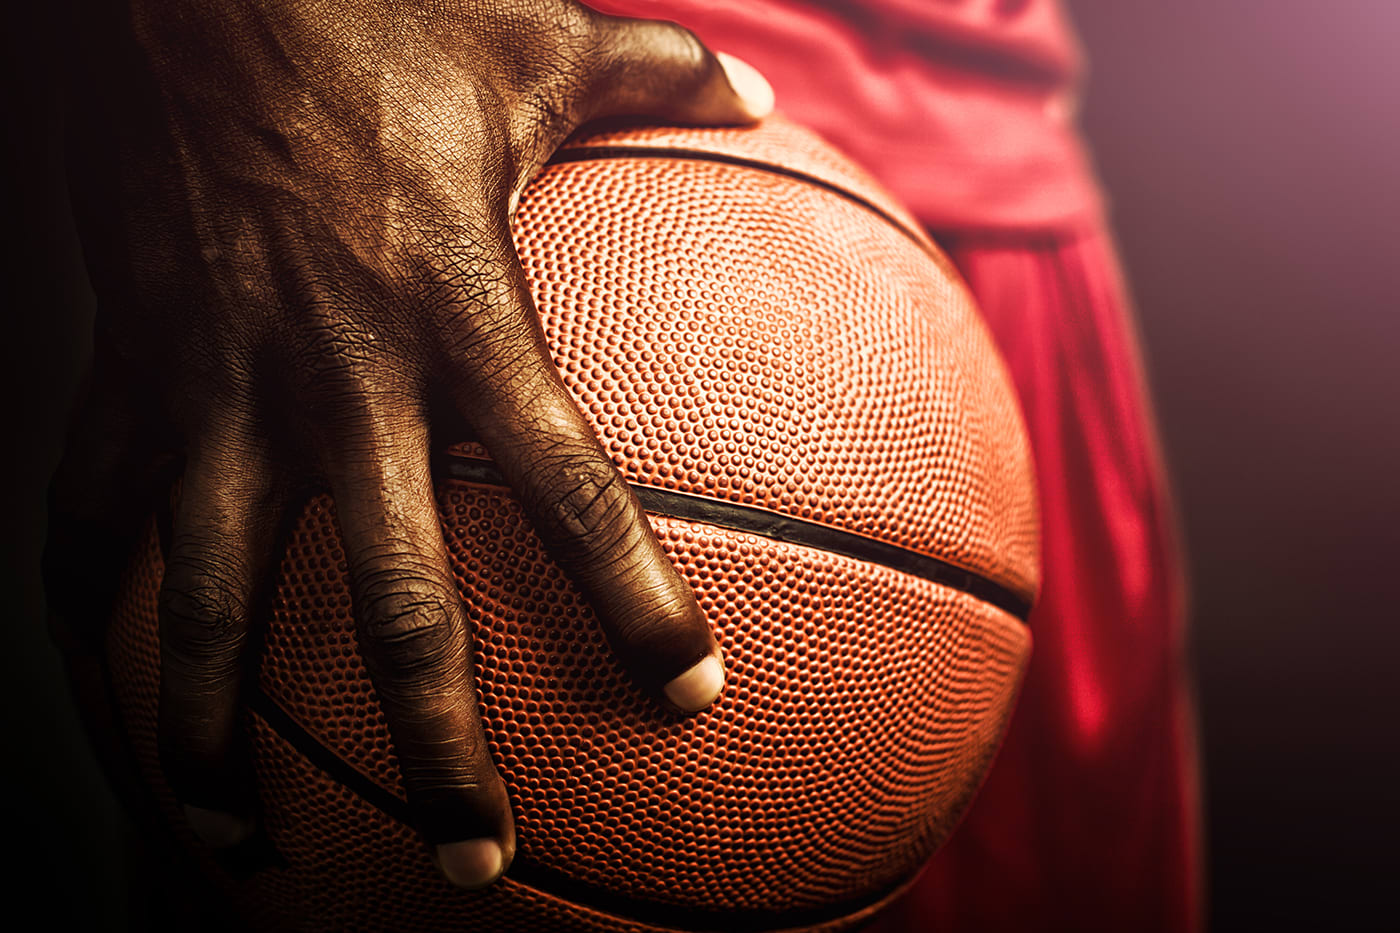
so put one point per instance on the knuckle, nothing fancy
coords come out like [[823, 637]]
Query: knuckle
[[347, 381], [335, 350], [201, 611], [585, 507], [340, 336], [408, 628]]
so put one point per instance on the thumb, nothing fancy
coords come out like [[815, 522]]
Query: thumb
[[658, 69]]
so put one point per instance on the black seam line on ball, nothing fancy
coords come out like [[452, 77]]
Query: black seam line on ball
[[528, 873], [761, 522], [596, 153]]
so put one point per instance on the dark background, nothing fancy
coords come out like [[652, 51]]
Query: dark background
[[1252, 151], [1250, 148]]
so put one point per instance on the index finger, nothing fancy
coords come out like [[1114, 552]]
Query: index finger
[[583, 509]]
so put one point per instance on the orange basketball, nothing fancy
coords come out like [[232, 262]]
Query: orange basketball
[[814, 416]]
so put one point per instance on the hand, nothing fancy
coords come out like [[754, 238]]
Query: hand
[[296, 220]]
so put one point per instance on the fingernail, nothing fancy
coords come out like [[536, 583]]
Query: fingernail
[[217, 828], [698, 687], [749, 84], [471, 863]]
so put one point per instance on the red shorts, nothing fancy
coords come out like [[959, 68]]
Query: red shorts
[[1090, 818]]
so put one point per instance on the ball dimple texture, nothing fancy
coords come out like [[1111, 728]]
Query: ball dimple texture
[[775, 142], [861, 709], [744, 336], [761, 341]]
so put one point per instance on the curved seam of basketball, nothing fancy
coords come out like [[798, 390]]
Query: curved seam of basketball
[[775, 526], [551, 882], [596, 153]]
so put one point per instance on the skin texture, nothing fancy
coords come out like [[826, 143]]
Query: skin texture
[[296, 218]]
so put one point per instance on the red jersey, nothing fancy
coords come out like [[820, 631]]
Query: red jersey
[[962, 108]]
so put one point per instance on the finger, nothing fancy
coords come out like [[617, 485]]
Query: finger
[[414, 638], [660, 69], [221, 543], [585, 512], [113, 471]]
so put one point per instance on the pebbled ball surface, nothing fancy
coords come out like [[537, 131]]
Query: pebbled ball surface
[[734, 333]]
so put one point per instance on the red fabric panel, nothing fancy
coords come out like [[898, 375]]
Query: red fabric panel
[[983, 90], [1089, 819]]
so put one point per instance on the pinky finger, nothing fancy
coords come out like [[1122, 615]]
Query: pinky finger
[[221, 538]]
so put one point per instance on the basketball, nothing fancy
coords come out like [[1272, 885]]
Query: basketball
[[799, 387]]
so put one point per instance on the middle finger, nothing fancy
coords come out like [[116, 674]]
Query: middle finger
[[414, 637]]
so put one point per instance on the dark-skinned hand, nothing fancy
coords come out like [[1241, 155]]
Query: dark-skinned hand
[[296, 219]]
